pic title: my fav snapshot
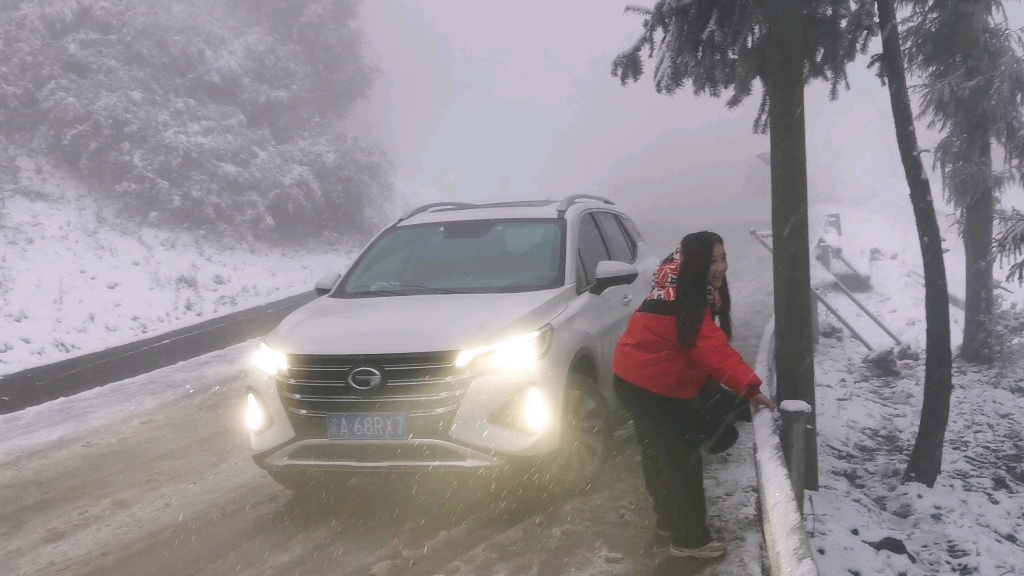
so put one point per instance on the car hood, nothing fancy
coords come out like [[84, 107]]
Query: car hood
[[422, 323]]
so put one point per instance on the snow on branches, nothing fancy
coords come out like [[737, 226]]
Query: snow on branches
[[220, 116]]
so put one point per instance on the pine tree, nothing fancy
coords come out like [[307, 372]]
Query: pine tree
[[722, 45], [972, 90], [926, 457]]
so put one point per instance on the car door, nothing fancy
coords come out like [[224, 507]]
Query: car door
[[623, 299], [645, 260], [597, 314]]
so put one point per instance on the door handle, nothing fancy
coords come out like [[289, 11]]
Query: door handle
[[626, 300]]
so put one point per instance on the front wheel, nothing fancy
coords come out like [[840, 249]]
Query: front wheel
[[586, 437]]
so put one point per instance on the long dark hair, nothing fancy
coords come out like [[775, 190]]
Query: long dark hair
[[692, 288]]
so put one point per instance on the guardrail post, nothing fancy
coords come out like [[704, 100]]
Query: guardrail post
[[795, 417], [815, 321], [785, 534], [825, 256]]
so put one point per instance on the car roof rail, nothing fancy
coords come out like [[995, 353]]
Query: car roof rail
[[519, 204], [428, 207], [572, 199]]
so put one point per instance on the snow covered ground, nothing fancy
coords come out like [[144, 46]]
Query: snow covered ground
[[75, 280], [152, 475], [972, 522]]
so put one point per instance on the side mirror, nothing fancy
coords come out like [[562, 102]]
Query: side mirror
[[611, 273], [326, 283]]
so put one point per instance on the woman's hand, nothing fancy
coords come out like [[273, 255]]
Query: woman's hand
[[762, 400]]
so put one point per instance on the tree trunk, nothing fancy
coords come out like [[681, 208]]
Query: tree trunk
[[794, 353], [926, 458], [979, 300]]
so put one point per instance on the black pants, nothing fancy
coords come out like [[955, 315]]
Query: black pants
[[670, 433]]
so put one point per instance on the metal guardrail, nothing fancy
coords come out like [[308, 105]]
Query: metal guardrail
[[789, 549], [819, 298], [34, 386]]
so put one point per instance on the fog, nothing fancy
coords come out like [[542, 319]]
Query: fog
[[165, 470], [483, 101]]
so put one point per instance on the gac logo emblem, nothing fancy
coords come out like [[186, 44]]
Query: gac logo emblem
[[365, 378]]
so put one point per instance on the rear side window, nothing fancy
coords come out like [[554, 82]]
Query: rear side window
[[591, 250], [632, 240], [631, 229], [614, 237]]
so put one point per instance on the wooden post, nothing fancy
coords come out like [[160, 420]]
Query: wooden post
[[794, 356]]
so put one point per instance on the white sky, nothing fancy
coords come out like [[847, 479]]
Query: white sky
[[483, 100]]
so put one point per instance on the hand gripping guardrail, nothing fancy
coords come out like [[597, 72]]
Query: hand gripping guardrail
[[789, 550]]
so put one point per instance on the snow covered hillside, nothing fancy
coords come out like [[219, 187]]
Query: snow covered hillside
[[880, 238], [73, 279], [864, 521], [971, 522]]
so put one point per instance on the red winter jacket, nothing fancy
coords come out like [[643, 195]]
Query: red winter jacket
[[650, 356]]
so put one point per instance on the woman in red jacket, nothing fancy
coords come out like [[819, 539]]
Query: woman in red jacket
[[665, 365]]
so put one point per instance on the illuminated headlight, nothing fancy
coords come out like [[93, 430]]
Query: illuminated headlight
[[536, 411], [256, 416], [268, 360], [512, 354]]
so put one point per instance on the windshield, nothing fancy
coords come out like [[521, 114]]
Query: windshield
[[477, 256]]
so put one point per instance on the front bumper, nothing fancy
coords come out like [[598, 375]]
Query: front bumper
[[375, 456], [463, 436]]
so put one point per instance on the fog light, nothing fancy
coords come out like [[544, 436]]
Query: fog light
[[536, 410], [256, 418]]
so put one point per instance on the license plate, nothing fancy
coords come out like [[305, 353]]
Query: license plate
[[373, 426]]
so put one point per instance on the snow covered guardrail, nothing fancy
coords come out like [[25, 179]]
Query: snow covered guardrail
[[40, 384], [789, 550]]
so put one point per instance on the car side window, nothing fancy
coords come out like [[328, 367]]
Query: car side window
[[631, 239], [614, 238], [591, 250], [631, 229]]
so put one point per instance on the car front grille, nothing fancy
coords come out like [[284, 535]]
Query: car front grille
[[416, 384]]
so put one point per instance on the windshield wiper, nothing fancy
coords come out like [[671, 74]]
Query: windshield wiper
[[415, 287], [394, 289], [371, 293]]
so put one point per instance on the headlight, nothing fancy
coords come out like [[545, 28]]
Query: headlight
[[268, 360], [256, 416], [514, 353]]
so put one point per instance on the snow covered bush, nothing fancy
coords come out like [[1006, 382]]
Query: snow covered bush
[[219, 115], [1009, 325]]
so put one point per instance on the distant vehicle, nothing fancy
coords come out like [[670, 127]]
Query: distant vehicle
[[463, 337]]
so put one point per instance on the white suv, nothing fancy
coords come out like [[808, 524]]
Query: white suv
[[463, 337]]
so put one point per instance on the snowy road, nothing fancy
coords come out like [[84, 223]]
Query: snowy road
[[153, 476]]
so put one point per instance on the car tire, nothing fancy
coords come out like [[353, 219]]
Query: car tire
[[586, 438]]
